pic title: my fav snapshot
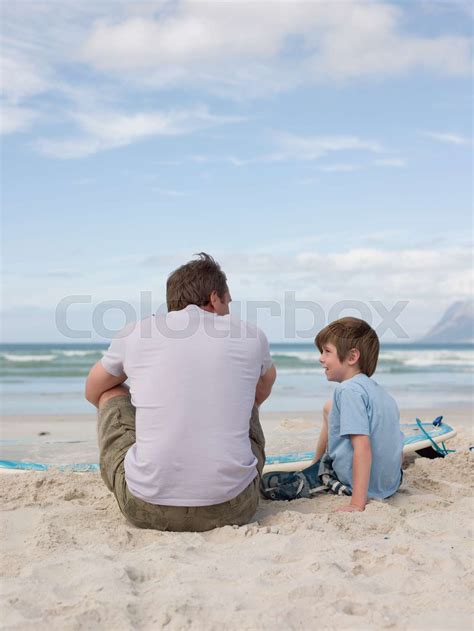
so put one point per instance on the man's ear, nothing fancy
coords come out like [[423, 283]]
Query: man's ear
[[214, 299], [354, 356]]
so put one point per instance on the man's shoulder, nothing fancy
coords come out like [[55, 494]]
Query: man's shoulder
[[249, 330], [128, 330], [137, 330], [190, 320]]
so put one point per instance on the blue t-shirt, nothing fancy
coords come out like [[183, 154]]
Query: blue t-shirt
[[361, 406]]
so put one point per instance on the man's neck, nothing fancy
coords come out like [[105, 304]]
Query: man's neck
[[209, 308]]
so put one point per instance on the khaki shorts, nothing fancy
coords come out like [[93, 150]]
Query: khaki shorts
[[116, 433]]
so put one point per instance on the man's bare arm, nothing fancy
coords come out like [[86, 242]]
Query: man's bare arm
[[265, 385], [99, 381]]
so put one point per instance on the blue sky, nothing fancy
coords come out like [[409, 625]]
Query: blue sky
[[318, 148]]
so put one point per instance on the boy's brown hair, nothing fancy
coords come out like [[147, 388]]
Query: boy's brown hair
[[348, 333], [193, 283]]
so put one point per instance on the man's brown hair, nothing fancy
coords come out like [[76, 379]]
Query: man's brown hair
[[349, 333], [193, 283]]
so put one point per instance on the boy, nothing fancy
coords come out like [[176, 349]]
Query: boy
[[361, 426]]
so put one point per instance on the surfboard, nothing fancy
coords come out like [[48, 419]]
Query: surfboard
[[418, 436]]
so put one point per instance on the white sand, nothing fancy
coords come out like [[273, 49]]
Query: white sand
[[71, 561]]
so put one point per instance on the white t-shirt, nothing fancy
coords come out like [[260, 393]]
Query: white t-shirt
[[192, 377]]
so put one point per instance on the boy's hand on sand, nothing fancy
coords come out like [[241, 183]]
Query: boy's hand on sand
[[350, 509]]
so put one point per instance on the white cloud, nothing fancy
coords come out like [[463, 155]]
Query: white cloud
[[21, 78], [415, 273], [14, 119], [168, 192], [233, 160], [68, 147], [363, 260], [314, 147], [240, 162], [224, 47], [453, 6], [237, 49], [430, 278], [307, 148], [339, 168], [420, 273], [293, 147], [447, 137], [390, 162], [103, 130]]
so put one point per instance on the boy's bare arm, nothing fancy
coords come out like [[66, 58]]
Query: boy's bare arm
[[361, 466], [322, 444]]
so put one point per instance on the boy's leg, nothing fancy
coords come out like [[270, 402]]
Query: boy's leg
[[322, 444]]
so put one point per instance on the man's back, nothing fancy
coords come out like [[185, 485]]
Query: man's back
[[192, 377]]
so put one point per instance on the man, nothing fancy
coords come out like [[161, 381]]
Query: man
[[182, 447]]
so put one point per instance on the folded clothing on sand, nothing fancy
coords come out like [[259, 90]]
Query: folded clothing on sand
[[291, 485]]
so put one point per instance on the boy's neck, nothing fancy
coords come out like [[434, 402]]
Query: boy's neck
[[352, 371]]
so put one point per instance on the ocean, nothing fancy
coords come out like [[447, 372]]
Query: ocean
[[49, 378]]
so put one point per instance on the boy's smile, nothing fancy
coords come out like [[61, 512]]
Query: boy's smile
[[335, 369], [330, 362]]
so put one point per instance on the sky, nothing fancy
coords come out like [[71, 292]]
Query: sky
[[320, 151]]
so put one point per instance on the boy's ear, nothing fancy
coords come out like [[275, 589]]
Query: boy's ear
[[354, 356]]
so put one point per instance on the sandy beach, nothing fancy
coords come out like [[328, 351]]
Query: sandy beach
[[71, 561]]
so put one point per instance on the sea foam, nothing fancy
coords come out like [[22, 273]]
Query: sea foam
[[28, 358]]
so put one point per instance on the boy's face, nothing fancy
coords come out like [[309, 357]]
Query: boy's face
[[335, 369]]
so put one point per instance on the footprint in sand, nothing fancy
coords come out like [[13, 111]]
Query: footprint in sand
[[368, 564], [351, 608], [360, 555]]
